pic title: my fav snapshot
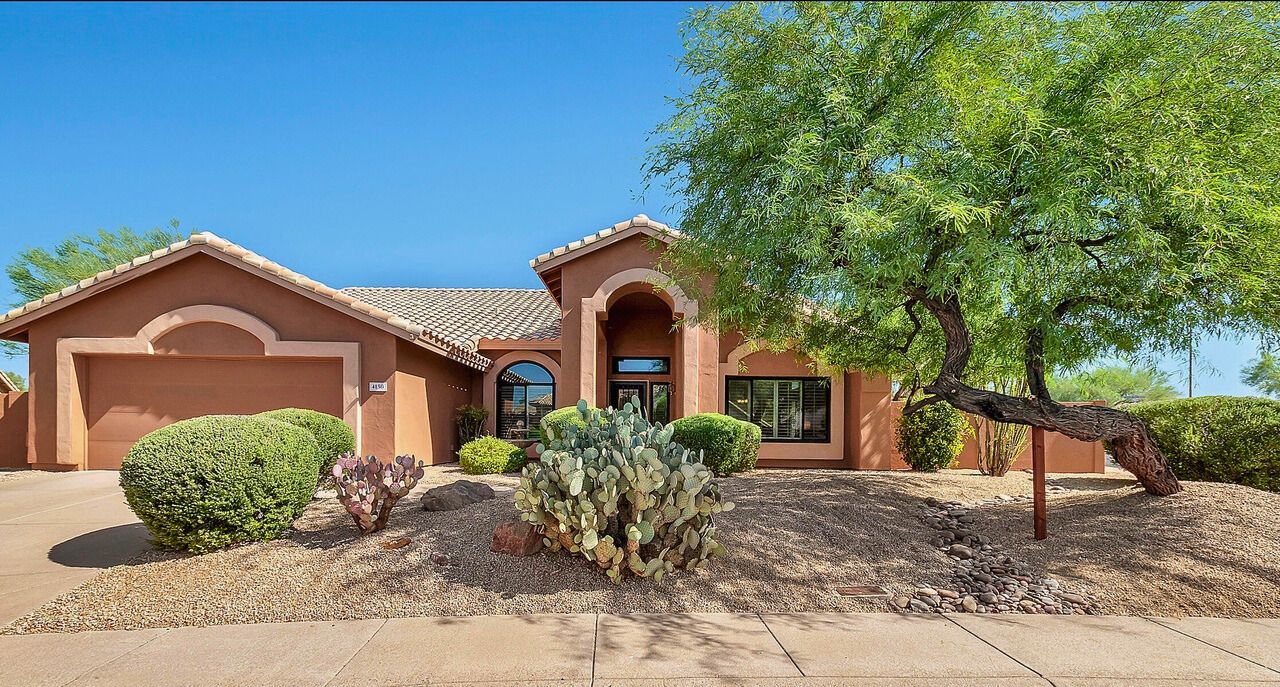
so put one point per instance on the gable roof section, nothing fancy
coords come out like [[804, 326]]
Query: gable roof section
[[235, 255], [465, 316], [640, 224]]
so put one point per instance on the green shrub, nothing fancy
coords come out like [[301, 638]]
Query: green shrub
[[490, 456], [332, 434], [932, 437], [554, 423], [624, 496], [212, 481], [728, 445], [1218, 438]]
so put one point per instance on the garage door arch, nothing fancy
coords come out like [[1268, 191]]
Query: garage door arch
[[72, 354]]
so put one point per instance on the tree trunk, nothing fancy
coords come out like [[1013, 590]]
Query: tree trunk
[[1130, 440]]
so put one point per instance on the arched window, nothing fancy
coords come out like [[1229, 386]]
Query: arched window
[[526, 392]]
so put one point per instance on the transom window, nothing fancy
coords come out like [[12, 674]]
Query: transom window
[[785, 408], [653, 366], [526, 392]]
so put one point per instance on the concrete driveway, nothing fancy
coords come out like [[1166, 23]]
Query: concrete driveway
[[58, 530]]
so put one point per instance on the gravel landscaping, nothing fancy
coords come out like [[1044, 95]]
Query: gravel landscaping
[[794, 537], [15, 475]]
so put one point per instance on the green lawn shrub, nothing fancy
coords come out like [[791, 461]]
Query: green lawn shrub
[[932, 437], [332, 434], [209, 482], [491, 456], [1218, 438], [728, 445]]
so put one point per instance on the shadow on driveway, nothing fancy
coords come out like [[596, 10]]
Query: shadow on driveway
[[102, 548]]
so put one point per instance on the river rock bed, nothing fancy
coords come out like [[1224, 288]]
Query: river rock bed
[[983, 579]]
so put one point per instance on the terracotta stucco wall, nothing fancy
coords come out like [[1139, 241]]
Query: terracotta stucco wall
[[428, 390], [13, 429], [201, 279]]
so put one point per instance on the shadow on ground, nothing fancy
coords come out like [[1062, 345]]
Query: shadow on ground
[[101, 548]]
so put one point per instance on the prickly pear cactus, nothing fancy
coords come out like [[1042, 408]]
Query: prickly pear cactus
[[369, 488], [620, 493]]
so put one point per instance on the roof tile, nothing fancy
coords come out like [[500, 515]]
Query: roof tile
[[464, 316]]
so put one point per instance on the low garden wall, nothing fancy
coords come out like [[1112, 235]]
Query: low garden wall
[[13, 429], [1061, 453]]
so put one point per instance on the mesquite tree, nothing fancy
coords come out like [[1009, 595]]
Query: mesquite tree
[[945, 192]]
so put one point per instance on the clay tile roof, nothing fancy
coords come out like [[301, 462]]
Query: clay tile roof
[[420, 333], [638, 222], [464, 316]]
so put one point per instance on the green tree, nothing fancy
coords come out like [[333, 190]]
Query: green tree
[[1263, 374], [941, 191], [1113, 384], [17, 379], [37, 272]]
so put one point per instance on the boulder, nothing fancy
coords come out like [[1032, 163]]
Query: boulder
[[516, 539], [456, 495]]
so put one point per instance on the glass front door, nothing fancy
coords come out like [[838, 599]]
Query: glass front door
[[622, 392]]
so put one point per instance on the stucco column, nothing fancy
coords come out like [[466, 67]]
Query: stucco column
[[588, 316]]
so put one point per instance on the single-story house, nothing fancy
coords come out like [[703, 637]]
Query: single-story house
[[205, 326]]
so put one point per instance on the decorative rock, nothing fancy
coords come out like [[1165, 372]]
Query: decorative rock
[[902, 601], [516, 539], [456, 495], [439, 559], [1073, 598], [960, 551], [948, 594], [969, 603]]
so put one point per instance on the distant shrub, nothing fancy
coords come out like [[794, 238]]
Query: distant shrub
[[213, 481], [728, 445], [932, 437], [1218, 438], [332, 434], [555, 423], [490, 456]]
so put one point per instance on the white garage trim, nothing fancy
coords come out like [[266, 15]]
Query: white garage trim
[[71, 429]]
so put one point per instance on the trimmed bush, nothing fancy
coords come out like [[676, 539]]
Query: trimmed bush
[[332, 434], [554, 423], [213, 481], [490, 456], [727, 445], [932, 437], [1218, 438]]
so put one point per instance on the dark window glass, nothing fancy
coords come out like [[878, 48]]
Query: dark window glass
[[657, 366], [660, 400], [785, 409], [526, 392]]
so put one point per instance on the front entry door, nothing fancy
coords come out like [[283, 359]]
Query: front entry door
[[622, 392]]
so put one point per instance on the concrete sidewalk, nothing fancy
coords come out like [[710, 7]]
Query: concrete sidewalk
[[716, 649]]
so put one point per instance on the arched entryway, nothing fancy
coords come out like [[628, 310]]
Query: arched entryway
[[639, 348]]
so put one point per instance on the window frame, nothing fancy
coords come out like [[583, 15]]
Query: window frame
[[615, 360], [823, 383], [500, 383]]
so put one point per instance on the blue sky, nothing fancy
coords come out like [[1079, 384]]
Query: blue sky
[[408, 145]]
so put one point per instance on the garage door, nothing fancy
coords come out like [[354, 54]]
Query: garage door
[[129, 397]]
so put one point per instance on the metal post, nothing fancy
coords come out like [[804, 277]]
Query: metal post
[[1037, 476]]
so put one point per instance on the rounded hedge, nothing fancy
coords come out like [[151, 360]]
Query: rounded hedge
[[932, 437], [490, 456], [728, 445], [331, 433], [1218, 438], [212, 481], [554, 423]]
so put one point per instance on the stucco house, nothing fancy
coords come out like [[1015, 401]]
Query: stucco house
[[205, 326]]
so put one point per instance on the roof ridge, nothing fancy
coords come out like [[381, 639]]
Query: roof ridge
[[248, 257], [446, 288], [639, 221]]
